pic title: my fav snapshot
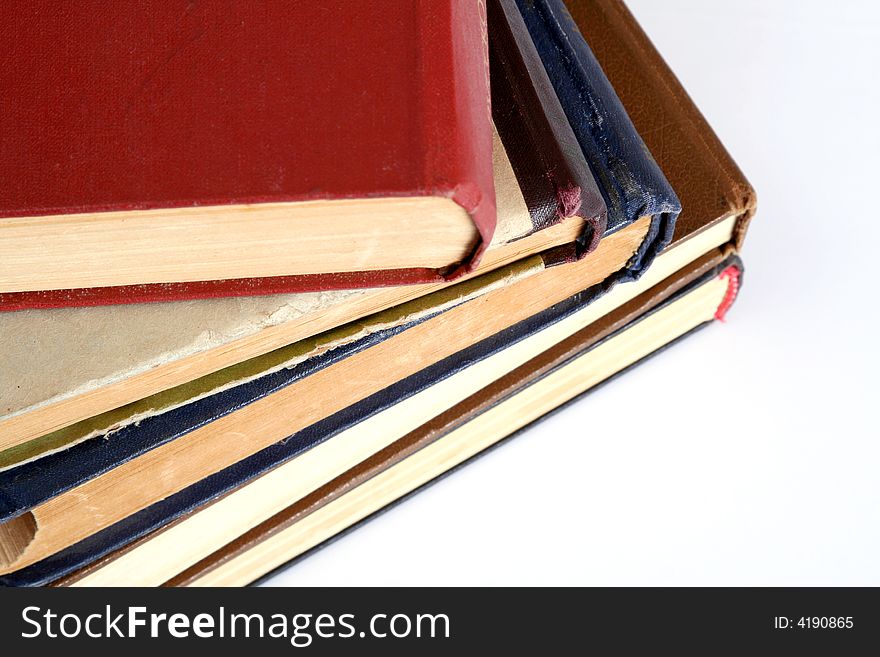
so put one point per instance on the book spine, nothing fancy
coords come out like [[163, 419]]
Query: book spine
[[632, 183], [456, 31], [545, 155]]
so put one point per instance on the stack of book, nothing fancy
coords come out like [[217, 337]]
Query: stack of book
[[268, 268]]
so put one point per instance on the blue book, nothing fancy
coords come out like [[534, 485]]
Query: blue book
[[631, 182]]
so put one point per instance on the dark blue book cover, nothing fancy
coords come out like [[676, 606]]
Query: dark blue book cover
[[632, 184]]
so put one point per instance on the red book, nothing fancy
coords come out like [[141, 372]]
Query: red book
[[168, 150]]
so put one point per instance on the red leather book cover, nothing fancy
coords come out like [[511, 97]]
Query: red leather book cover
[[172, 104]]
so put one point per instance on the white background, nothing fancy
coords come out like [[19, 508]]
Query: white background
[[748, 454]]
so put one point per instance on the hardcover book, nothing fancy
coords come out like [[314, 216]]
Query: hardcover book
[[618, 156], [241, 148], [549, 164]]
